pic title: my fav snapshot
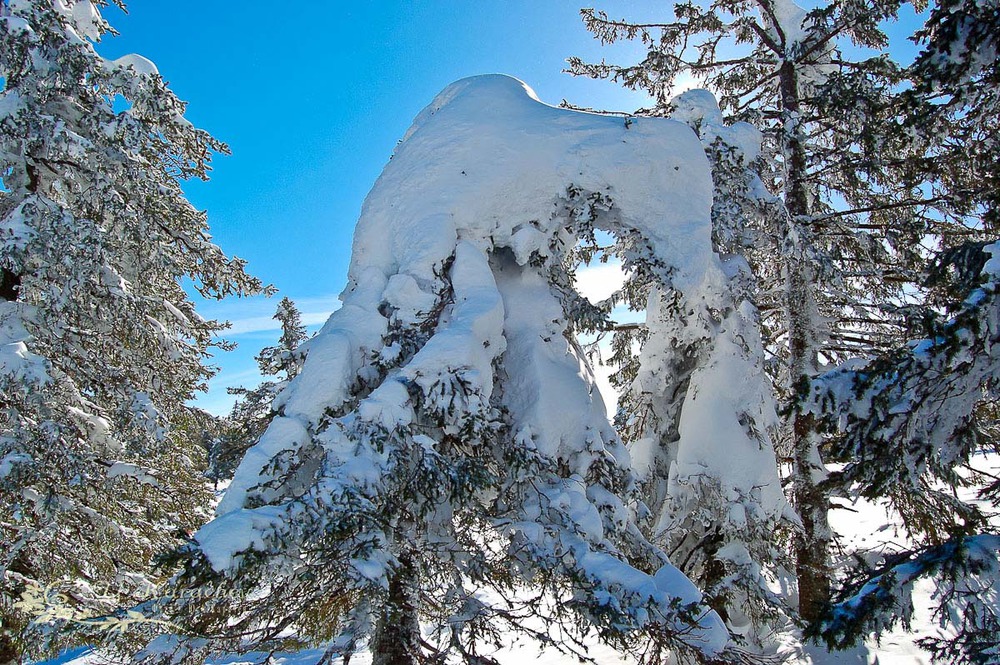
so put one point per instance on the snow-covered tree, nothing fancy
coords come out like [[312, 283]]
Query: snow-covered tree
[[100, 346], [965, 603], [955, 101], [842, 251], [697, 411], [905, 422], [442, 470], [252, 412], [281, 360], [907, 425]]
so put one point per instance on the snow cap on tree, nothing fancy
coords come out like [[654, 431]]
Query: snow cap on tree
[[700, 412], [445, 435]]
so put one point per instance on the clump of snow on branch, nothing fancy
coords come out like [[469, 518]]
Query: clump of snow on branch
[[449, 390]]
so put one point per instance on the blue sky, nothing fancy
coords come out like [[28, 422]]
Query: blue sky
[[312, 96]]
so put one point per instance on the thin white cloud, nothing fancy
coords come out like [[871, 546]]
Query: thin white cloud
[[252, 315], [256, 315], [251, 324], [316, 318]]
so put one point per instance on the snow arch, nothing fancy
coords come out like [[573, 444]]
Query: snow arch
[[485, 163]]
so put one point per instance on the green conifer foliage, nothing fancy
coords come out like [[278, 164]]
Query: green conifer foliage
[[100, 346]]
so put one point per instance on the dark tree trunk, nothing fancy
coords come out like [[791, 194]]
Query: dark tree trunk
[[10, 654], [812, 566], [809, 496], [715, 573], [397, 634], [9, 285]]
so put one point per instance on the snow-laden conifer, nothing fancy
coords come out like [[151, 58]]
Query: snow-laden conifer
[[955, 102], [908, 426], [908, 421], [699, 412], [965, 605], [100, 347], [858, 199], [442, 471]]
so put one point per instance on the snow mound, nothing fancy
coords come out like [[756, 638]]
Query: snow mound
[[507, 156]]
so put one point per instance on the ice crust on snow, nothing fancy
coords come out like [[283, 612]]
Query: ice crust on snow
[[472, 191]]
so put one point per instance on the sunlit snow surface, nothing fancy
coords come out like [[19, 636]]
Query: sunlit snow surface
[[860, 525]]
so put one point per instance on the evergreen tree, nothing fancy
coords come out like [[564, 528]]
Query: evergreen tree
[[964, 570], [100, 346], [918, 414], [904, 422], [252, 413], [907, 424], [851, 198], [698, 409], [442, 474], [954, 104]]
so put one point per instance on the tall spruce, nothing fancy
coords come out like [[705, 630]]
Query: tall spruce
[[100, 346], [911, 421], [844, 248]]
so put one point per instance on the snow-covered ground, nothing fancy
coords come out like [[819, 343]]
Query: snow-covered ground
[[861, 526]]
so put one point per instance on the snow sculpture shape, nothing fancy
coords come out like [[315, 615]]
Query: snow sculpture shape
[[445, 435]]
